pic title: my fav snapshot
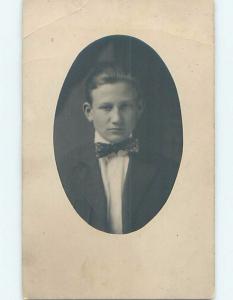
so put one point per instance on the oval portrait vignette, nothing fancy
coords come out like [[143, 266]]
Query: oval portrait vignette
[[118, 135]]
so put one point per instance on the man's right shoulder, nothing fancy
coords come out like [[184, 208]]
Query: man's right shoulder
[[78, 154], [74, 164]]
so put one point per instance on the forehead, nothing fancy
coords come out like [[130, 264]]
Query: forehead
[[114, 92]]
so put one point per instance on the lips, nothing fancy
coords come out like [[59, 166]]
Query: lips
[[115, 129]]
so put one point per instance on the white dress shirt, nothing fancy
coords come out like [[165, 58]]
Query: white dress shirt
[[113, 170]]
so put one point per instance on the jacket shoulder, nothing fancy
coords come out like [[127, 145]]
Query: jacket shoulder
[[78, 154]]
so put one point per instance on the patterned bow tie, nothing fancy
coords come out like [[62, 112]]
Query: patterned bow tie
[[130, 146]]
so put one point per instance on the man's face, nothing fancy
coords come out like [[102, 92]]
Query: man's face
[[115, 110]]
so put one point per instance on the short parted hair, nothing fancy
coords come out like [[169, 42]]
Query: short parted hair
[[109, 72]]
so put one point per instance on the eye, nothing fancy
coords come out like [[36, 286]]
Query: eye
[[125, 106], [106, 107]]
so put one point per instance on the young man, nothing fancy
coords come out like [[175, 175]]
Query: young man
[[109, 182]]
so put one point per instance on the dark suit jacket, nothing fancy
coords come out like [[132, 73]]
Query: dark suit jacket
[[147, 186]]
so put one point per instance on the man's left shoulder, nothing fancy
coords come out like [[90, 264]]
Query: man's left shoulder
[[159, 160]]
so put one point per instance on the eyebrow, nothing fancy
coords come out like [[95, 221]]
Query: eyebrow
[[105, 103]]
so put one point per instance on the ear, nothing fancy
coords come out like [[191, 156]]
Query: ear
[[87, 109], [140, 107]]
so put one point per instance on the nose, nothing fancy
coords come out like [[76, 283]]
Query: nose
[[116, 116]]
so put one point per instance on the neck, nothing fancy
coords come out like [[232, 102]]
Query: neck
[[99, 139]]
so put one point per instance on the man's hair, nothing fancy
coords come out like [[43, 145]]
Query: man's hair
[[105, 73]]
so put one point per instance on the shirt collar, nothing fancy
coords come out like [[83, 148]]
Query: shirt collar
[[100, 139]]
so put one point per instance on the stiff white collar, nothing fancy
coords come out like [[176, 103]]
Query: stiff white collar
[[100, 139]]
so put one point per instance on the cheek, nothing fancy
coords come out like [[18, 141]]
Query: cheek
[[99, 119]]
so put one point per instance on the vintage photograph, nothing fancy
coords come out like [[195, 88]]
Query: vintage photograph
[[118, 134], [118, 149]]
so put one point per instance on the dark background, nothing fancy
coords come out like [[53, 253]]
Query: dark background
[[160, 129]]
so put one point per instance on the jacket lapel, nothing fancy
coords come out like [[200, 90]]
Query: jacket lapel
[[140, 176], [94, 189]]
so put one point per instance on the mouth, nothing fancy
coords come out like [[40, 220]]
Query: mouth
[[116, 129]]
